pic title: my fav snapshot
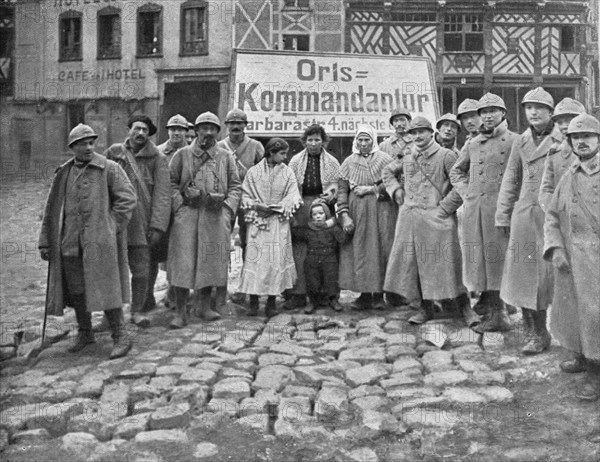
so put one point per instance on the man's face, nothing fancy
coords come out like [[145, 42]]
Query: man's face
[[84, 149], [400, 124], [585, 145], [421, 136], [236, 128], [563, 122], [537, 115], [314, 143], [207, 135], [190, 135], [471, 121], [139, 133], [365, 143], [491, 117], [318, 214], [448, 131], [177, 134]]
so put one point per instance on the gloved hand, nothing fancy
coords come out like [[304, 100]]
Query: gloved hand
[[45, 254], [560, 261], [154, 237]]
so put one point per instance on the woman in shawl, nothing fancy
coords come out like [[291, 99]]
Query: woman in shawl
[[317, 173], [269, 198], [364, 208]]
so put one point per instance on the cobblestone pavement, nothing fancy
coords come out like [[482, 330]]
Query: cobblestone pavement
[[351, 386]]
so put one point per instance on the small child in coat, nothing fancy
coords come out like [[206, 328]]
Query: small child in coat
[[322, 236]]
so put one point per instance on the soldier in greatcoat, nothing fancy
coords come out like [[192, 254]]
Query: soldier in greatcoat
[[560, 157], [477, 176], [89, 204], [572, 243], [396, 145], [447, 128], [206, 189], [468, 115], [425, 261], [247, 152], [527, 280], [148, 171]]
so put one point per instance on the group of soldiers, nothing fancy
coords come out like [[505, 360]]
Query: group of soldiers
[[527, 220]]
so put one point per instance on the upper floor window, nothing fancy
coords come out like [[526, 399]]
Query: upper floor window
[[70, 46], [296, 3], [463, 32], [194, 28], [413, 17], [149, 31], [296, 42], [109, 33], [568, 38]]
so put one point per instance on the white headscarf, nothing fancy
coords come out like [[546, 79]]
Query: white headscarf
[[370, 132]]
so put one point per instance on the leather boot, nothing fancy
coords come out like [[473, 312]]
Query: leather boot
[[464, 304], [497, 319], [220, 298], [180, 319], [589, 390], [104, 326], [253, 311], [85, 336], [121, 342], [296, 301], [139, 287], [239, 298], [378, 302], [204, 310], [482, 307], [363, 302], [425, 313], [150, 301], [540, 338], [574, 365], [270, 307]]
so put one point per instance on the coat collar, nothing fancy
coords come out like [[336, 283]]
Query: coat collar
[[98, 161], [169, 148], [497, 132], [593, 169], [198, 151], [240, 147], [149, 149], [532, 152], [428, 151]]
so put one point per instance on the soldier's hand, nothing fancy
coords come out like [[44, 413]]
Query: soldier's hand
[[154, 236], [45, 254], [399, 197], [560, 261]]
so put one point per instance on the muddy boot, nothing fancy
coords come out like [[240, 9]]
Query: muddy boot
[[139, 287], [104, 326], [220, 298], [85, 336], [589, 390], [180, 319], [363, 302], [574, 365], [425, 313], [464, 304], [313, 304], [253, 311], [270, 307], [121, 342], [239, 298], [205, 312], [378, 302], [296, 301], [335, 304], [482, 307], [497, 319], [540, 338]]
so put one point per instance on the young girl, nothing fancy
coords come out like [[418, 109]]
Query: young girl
[[269, 198]]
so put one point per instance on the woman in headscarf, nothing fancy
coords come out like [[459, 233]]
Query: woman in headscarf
[[365, 209], [317, 173], [269, 198]]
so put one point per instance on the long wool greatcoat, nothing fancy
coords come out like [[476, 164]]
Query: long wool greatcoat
[[107, 200], [526, 278], [575, 317], [477, 176], [200, 239], [426, 252], [560, 157]]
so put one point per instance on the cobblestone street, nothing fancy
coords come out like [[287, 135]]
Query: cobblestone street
[[351, 386]]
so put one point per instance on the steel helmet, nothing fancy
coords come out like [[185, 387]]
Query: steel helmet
[[584, 123], [447, 118], [468, 105], [208, 118], [400, 111], [568, 106], [178, 121], [420, 122], [236, 115], [490, 100], [81, 132], [540, 96]]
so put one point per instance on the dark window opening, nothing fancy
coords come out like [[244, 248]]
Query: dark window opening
[[149, 31], [567, 38], [194, 28], [463, 32], [296, 42], [413, 17], [109, 34], [297, 4], [70, 37]]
